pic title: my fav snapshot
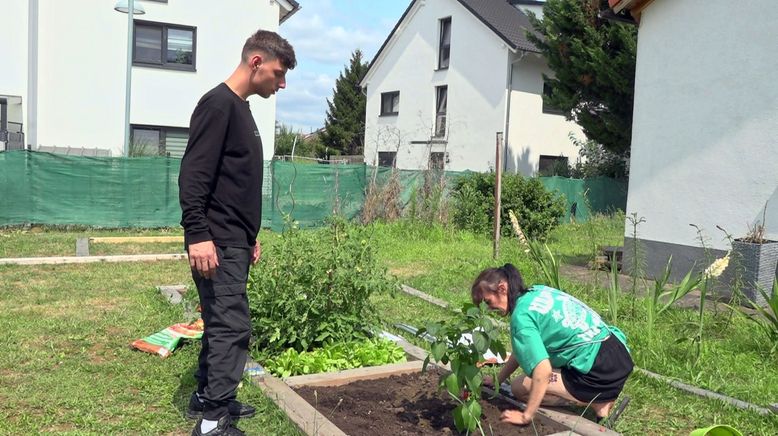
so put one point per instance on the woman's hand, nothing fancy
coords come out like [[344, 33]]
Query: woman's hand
[[488, 381], [516, 417]]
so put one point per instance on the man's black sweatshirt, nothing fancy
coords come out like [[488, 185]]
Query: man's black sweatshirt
[[220, 182]]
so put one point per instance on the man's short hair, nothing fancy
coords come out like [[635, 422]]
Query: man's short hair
[[271, 45]]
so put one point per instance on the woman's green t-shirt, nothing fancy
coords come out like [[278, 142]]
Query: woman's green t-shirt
[[550, 324]]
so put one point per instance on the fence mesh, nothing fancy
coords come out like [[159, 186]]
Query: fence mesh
[[45, 188]]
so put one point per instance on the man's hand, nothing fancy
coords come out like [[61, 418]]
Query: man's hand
[[516, 417], [257, 254], [203, 258]]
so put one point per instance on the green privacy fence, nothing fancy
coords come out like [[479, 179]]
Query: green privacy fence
[[587, 196], [46, 188], [310, 193]]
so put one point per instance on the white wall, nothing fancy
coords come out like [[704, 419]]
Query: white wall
[[13, 56], [167, 97], [533, 133], [476, 80], [704, 141], [82, 62]]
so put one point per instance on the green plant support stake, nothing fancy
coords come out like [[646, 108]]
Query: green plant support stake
[[716, 430]]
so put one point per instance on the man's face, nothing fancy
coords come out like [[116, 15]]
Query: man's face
[[267, 77]]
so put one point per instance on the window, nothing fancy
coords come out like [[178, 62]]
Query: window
[[444, 50], [390, 103], [441, 102], [158, 141], [552, 166], [438, 160], [547, 108], [164, 45], [387, 158]]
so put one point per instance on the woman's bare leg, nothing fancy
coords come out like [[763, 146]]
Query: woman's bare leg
[[556, 394]]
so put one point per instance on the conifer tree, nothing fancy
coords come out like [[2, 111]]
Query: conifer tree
[[344, 127], [593, 61]]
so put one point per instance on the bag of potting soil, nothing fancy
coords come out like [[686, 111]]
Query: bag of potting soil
[[166, 340]]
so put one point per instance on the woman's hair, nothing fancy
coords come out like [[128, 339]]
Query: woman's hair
[[491, 277]]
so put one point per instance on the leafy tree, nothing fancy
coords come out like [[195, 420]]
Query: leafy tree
[[344, 128], [594, 64], [285, 140]]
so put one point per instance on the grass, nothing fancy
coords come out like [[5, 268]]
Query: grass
[[69, 368], [443, 262]]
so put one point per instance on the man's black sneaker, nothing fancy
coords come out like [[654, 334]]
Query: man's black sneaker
[[223, 428], [236, 408]]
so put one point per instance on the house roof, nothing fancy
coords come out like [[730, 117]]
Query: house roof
[[634, 7], [287, 10], [506, 21]]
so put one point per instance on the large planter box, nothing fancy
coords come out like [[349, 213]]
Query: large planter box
[[758, 264], [312, 422]]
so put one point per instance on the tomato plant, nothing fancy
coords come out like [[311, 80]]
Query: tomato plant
[[461, 342]]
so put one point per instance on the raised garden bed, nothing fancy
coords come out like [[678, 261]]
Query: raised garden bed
[[408, 404], [397, 399]]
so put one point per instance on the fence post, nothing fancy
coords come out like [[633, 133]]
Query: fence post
[[497, 191]]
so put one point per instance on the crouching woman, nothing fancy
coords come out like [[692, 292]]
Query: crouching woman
[[569, 355]]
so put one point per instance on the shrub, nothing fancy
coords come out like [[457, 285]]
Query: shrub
[[537, 209], [314, 287]]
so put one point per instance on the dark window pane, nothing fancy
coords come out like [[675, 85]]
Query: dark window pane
[[390, 103], [437, 160], [179, 46], [440, 116], [444, 50], [386, 158], [148, 44], [145, 141], [552, 165]]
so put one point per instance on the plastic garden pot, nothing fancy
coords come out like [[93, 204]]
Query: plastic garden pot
[[716, 430]]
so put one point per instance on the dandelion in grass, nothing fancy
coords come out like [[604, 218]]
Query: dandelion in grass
[[517, 229], [717, 267]]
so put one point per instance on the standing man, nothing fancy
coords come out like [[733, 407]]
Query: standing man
[[220, 191]]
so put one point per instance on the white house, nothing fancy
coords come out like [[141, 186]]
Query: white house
[[449, 77], [63, 74], [704, 141]]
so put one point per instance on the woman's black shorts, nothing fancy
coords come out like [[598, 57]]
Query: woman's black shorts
[[606, 379]]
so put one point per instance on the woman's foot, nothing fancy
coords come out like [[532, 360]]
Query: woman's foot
[[602, 410]]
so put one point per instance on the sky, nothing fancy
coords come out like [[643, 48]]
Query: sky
[[324, 33]]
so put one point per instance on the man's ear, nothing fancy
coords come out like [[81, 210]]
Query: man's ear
[[255, 61]]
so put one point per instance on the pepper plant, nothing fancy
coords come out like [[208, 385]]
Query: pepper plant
[[461, 342]]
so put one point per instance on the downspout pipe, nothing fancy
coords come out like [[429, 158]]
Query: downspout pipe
[[508, 93], [32, 75]]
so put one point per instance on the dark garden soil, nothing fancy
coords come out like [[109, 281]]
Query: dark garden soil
[[407, 405]]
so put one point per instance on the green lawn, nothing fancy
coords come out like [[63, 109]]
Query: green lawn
[[443, 263], [68, 368]]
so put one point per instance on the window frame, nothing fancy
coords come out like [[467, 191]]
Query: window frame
[[548, 109], [392, 95], [164, 64], [440, 128], [391, 154], [163, 130], [551, 162], [443, 45], [438, 157]]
